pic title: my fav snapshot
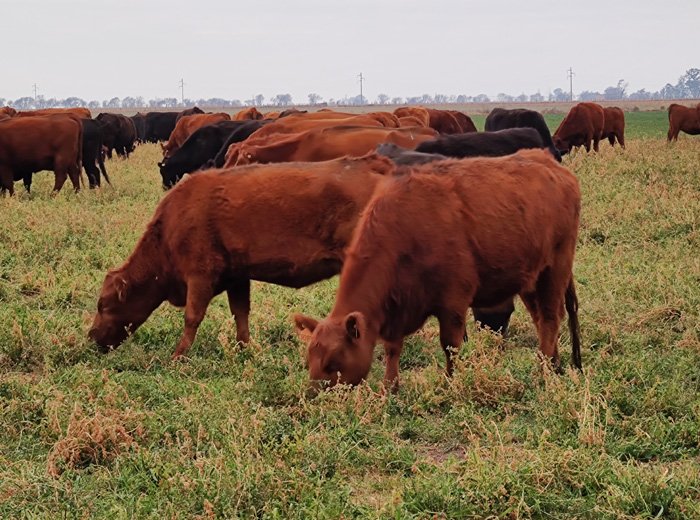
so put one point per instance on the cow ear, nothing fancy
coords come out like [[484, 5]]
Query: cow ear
[[305, 326], [121, 286], [355, 325]]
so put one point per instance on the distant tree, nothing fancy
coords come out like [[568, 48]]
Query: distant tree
[[441, 98], [522, 98], [426, 99], [504, 98], [396, 100], [236, 103], [559, 95], [481, 98], [23, 103], [314, 98], [462, 98], [115, 102], [588, 95], [415, 100], [669, 92], [691, 83], [73, 102], [2, 101], [259, 100], [536, 98], [129, 102], [282, 100], [382, 99], [617, 92], [93, 104], [640, 95]]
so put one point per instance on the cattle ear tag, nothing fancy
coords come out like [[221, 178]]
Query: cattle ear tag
[[354, 325]]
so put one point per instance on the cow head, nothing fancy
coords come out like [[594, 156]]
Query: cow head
[[169, 177], [122, 307], [562, 145], [339, 350]]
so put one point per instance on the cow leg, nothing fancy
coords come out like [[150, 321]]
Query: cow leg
[[392, 354], [451, 333], [74, 174], [551, 286], [611, 139], [27, 181], [60, 176], [199, 294], [596, 142], [7, 181], [239, 303], [621, 140]]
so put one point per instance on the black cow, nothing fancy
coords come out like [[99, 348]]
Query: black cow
[[92, 152], [119, 134], [199, 148], [159, 126], [483, 144], [139, 121], [405, 157], [189, 112], [501, 119], [243, 133]]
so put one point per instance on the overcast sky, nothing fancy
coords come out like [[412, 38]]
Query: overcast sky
[[97, 49]]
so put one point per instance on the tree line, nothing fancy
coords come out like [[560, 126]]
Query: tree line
[[687, 87]]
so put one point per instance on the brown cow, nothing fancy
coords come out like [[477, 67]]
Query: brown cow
[[325, 144], [271, 115], [683, 119], [582, 125], [4, 116], [419, 113], [443, 122], [387, 119], [465, 122], [79, 112], [32, 144], [248, 113], [408, 121], [421, 249], [8, 111], [217, 231], [289, 125], [614, 127], [186, 126]]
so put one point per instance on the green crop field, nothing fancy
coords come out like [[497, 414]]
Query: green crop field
[[228, 433]]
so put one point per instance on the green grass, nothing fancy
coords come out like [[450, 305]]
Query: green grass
[[229, 432]]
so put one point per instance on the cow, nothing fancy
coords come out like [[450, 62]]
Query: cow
[[92, 156], [186, 125], [582, 125], [189, 112], [293, 125], [326, 143], [419, 113], [483, 144], [387, 119], [291, 111], [159, 126], [139, 121], [201, 147], [82, 113], [244, 132], [8, 111], [33, 144], [420, 249], [4, 116], [404, 157], [218, 230], [248, 113], [683, 119], [614, 126], [443, 121], [465, 122], [119, 134], [501, 119], [408, 121]]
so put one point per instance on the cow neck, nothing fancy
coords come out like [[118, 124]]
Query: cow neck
[[145, 264]]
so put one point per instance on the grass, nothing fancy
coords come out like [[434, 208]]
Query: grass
[[230, 434]]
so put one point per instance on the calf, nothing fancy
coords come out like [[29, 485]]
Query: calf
[[501, 119], [483, 144], [219, 230], [420, 250]]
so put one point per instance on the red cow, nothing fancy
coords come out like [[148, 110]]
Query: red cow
[[582, 125], [683, 119]]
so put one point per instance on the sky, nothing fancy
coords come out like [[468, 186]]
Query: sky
[[98, 49]]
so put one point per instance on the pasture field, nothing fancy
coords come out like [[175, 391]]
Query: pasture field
[[228, 433]]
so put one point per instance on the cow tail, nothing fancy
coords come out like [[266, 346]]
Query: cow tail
[[571, 303]]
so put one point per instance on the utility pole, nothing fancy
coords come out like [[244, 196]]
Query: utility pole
[[182, 91], [361, 80], [35, 92], [571, 75]]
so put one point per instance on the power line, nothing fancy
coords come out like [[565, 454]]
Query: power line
[[570, 74]]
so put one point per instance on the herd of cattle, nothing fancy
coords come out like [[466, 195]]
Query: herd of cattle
[[421, 214]]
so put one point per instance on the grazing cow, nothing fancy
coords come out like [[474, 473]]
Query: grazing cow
[[8, 111], [82, 113], [465, 122], [404, 157], [248, 113], [119, 134], [408, 121], [387, 119], [139, 121], [271, 115], [483, 144], [683, 119], [245, 131], [159, 126], [443, 121], [33, 144], [614, 126], [421, 250], [325, 144], [419, 113], [501, 119], [582, 125], [219, 230], [295, 125], [291, 111], [186, 125], [189, 112], [200, 148], [93, 139]]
